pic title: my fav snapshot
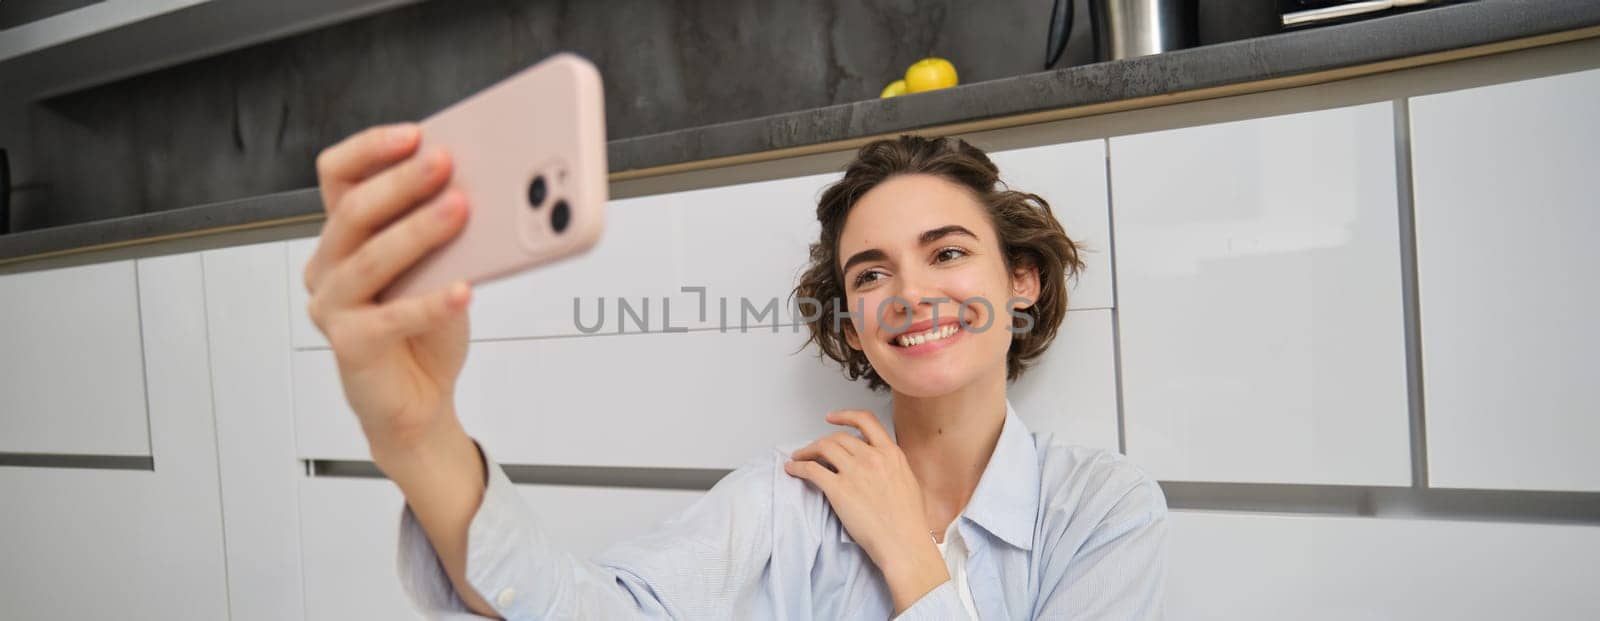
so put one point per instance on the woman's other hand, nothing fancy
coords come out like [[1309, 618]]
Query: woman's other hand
[[873, 491]]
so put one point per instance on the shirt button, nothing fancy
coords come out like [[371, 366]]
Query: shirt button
[[506, 597]]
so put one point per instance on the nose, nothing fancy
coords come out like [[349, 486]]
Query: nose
[[918, 296]]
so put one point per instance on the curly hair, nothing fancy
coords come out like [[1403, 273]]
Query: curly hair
[[1029, 235]]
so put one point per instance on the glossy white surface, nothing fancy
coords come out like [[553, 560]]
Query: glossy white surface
[[245, 301], [351, 527], [1258, 286], [1072, 178], [1266, 567], [71, 372], [700, 399], [1071, 390], [1508, 210], [123, 544]]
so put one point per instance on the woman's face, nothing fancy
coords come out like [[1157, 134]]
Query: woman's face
[[921, 259]]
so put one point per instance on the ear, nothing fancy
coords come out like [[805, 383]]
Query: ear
[[851, 337], [1025, 284]]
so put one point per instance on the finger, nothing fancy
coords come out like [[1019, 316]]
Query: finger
[[361, 331], [812, 471], [376, 263], [849, 442], [360, 156], [372, 205], [826, 451], [865, 422]]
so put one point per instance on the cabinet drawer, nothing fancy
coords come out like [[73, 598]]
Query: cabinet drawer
[[72, 367], [701, 399], [1269, 567]]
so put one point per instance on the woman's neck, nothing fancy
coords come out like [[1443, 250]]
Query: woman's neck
[[947, 441]]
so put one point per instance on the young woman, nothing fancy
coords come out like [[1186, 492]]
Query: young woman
[[953, 285]]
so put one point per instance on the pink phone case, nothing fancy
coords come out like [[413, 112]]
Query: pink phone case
[[546, 121]]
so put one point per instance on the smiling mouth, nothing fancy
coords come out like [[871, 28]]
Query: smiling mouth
[[936, 334]]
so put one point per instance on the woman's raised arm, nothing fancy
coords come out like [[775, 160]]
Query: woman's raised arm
[[387, 206], [712, 560]]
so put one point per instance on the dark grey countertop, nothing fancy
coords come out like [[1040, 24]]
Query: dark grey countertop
[[1393, 37]]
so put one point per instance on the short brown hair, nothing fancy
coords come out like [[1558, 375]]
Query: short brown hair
[[1028, 232]]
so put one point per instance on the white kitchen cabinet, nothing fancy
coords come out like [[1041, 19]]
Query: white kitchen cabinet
[[246, 297], [701, 399], [1072, 178], [740, 242], [1507, 212], [1071, 390], [72, 367], [129, 544], [1259, 300], [351, 530], [1249, 567]]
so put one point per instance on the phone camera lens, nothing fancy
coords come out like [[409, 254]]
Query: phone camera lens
[[560, 216], [536, 192]]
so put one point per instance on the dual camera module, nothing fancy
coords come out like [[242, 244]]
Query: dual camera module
[[560, 213]]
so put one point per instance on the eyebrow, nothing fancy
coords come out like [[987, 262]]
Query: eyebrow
[[927, 237]]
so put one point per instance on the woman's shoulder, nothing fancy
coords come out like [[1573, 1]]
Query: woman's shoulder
[[1083, 482], [760, 485]]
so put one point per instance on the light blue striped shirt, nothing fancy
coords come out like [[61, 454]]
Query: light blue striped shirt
[[1053, 532]]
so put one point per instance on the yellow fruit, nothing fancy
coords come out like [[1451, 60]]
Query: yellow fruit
[[930, 74], [895, 88]]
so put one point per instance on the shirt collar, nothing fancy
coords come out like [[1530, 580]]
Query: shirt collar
[[1006, 501]]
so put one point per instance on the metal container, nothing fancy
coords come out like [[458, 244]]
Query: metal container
[[1129, 28]]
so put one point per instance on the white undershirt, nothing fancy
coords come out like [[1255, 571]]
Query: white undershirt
[[954, 551]]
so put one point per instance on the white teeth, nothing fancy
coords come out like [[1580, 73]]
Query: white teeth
[[931, 335]]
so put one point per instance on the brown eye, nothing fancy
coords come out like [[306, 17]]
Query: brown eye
[[861, 279], [948, 252]]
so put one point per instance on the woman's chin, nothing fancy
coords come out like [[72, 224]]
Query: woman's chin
[[926, 383]]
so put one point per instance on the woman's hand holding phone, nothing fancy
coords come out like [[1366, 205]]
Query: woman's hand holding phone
[[389, 280], [398, 360]]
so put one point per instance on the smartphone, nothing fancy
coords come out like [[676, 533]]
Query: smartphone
[[529, 153]]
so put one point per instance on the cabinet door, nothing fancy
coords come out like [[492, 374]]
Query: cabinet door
[[249, 336], [1259, 299], [1507, 214], [702, 399], [87, 543], [351, 531], [71, 362]]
